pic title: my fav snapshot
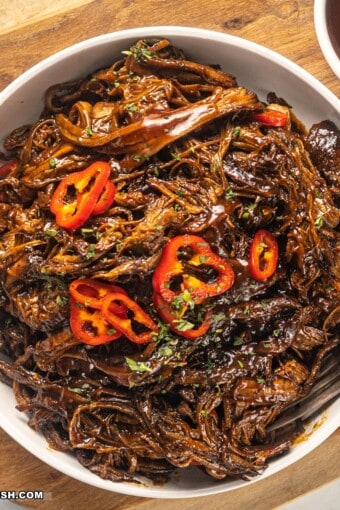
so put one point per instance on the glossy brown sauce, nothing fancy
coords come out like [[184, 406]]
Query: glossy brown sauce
[[333, 23]]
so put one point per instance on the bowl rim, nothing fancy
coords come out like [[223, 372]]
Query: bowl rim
[[44, 454], [322, 33], [171, 30]]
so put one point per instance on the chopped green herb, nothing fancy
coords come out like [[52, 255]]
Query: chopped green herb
[[88, 132], [318, 222], [136, 157], [87, 232], [51, 232], [229, 194], [219, 317], [249, 208], [132, 108], [181, 300], [176, 156], [184, 325], [91, 251], [238, 340], [138, 52], [52, 163], [137, 366], [236, 131], [76, 390], [61, 301], [165, 351]]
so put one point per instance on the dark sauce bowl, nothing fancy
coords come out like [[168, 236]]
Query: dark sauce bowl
[[333, 23], [327, 27]]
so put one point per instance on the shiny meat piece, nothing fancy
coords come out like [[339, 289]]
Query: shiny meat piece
[[184, 71], [150, 134], [323, 144]]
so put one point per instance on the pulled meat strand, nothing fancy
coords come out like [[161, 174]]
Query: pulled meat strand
[[186, 157]]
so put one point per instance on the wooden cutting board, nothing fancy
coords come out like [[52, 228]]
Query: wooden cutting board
[[31, 31], [20, 471]]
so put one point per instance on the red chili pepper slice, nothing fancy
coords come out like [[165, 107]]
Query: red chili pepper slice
[[175, 318], [7, 168], [77, 195], [271, 118], [106, 199], [89, 325], [264, 254], [90, 293], [125, 325], [170, 266]]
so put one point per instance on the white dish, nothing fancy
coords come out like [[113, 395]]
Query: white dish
[[255, 67], [328, 32]]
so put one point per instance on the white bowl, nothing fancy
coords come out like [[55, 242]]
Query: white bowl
[[322, 28], [255, 67]]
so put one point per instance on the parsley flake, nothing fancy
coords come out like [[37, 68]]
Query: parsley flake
[[137, 366]]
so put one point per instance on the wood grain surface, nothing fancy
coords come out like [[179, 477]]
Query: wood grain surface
[[20, 471], [285, 26], [31, 31]]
